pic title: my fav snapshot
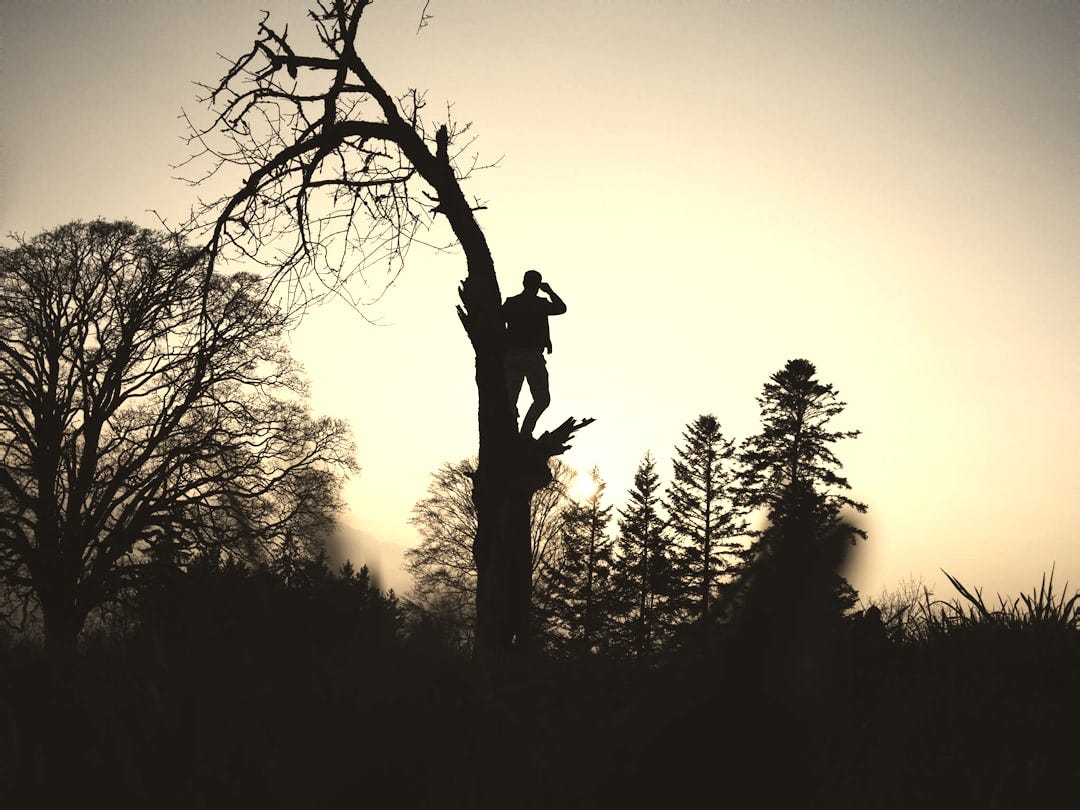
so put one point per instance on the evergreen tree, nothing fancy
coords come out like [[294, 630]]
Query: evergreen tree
[[703, 515], [643, 573], [794, 444], [576, 592], [791, 572]]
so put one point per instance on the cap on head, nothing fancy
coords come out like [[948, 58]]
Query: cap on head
[[532, 280]]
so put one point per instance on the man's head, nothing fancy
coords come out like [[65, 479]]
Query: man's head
[[531, 281]]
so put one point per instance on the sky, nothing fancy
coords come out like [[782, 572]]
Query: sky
[[886, 189]]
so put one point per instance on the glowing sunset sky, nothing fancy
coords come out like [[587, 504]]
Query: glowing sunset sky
[[889, 190]]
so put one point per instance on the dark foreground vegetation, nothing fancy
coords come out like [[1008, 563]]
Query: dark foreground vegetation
[[235, 689]]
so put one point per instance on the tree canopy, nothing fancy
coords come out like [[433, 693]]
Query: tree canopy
[[795, 443], [147, 413]]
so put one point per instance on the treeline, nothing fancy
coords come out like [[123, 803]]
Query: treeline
[[673, 562]]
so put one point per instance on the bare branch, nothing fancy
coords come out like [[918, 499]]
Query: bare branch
[[424, 17], [333, 171]]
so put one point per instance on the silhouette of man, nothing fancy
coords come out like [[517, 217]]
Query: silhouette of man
[[527, 335]]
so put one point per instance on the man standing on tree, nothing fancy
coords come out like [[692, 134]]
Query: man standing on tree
[[527, 335]]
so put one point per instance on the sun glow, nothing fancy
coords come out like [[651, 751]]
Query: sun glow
[[584, 487]]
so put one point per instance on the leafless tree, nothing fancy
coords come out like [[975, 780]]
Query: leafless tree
[[146, 414], [334, 176], [443, 567]]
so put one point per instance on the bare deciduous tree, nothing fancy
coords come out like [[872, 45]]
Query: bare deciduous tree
[[337, 176], [146, 413], [443, 567]]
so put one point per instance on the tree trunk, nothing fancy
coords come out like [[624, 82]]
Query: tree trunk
[[502, 548], [502, 484], [586, 635], [55, 573], [64, 621]]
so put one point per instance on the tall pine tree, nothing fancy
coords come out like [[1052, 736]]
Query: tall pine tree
[[643, 570], [794, 445], [703, 515], [576, 596], [790, 469]]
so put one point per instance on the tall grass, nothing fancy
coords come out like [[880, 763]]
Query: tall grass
[[913, 614], [1042, 607]]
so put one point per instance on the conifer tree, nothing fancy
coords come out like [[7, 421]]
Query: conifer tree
[[703, 515], [790, 469], [794, 445], [643, 573], [576, 594]]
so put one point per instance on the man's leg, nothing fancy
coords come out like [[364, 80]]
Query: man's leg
[[515, 376], [537, 375]]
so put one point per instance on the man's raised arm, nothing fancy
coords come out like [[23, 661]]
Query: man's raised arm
[[558, 306]]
